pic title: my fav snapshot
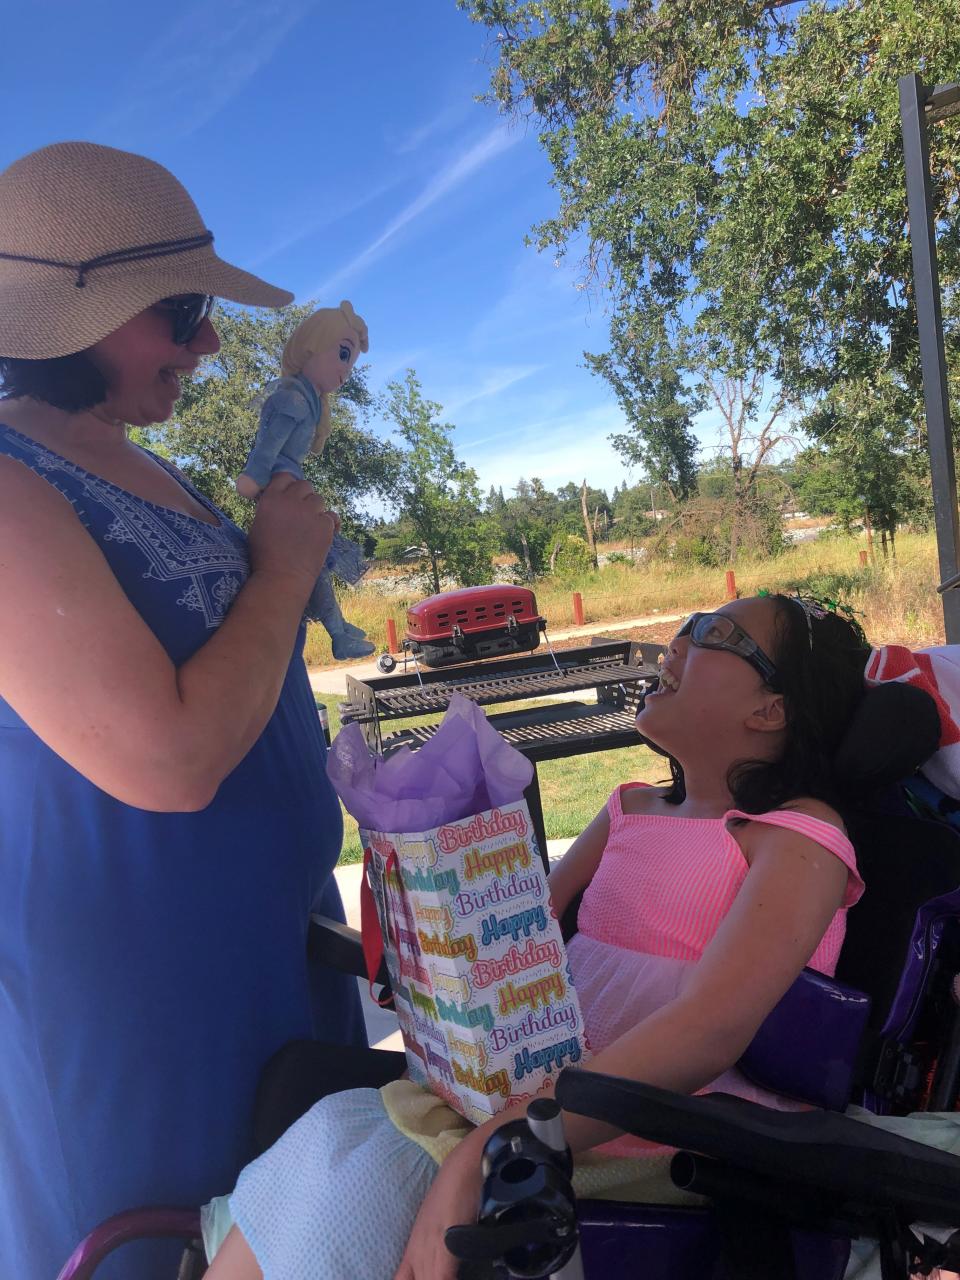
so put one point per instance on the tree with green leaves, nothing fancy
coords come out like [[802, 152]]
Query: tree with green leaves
[[736, 173], [529, 521], [633, 512], [865, 433], [437, 495], [646, 376], [215, 422], [570, 501]]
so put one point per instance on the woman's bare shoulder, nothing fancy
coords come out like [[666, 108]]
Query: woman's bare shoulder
[[27, 498]]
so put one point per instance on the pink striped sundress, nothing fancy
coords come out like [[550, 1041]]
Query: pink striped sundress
[[661, 891]]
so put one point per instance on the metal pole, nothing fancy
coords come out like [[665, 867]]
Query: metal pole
[[916, 155]]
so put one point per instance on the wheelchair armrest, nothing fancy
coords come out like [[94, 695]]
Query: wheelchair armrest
[[150, 1223], [846, 1159], [809, 1044], [331, 943]]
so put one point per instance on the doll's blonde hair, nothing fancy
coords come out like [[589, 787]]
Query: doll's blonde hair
[[319, 331]]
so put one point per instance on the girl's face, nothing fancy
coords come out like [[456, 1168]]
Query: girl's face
[[705, 695], [143, 366], [329, 369]]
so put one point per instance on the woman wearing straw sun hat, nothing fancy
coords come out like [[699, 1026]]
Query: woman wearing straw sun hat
[[154, 893]]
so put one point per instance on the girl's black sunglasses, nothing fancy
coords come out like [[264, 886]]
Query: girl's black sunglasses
[[717, 631], [187, 313]]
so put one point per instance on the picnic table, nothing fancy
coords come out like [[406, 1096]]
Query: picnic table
[[618, 672]]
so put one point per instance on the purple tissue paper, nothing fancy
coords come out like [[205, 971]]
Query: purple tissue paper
[[465, 768]]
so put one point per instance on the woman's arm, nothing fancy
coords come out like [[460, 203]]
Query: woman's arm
[[790, 895], [80, 666]]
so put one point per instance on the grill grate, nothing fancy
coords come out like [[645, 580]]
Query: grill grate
[[591, 726], [548, 730], [484, 689]]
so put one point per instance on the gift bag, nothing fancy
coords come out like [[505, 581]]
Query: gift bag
[[461, 913]]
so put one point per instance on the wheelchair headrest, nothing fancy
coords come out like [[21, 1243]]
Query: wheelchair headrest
[[894, 730]]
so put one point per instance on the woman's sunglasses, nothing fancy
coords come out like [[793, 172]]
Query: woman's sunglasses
[[187, 313], [717, 631]]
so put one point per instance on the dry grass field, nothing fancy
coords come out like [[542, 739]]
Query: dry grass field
[[896, 598]]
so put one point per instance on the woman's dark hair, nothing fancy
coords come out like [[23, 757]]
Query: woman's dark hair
[[71, 383], [820, 658]]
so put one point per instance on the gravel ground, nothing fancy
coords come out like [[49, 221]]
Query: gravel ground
[[657, 633]]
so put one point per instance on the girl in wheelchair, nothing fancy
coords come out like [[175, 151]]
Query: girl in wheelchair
[[702, 901]]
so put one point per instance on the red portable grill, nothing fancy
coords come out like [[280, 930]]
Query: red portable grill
[[475, 622]]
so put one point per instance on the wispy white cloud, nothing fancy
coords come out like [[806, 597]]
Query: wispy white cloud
[[199, 64], [443, 122], [395, 363], [556, 449], [491, 384], [330, 212], [541, 299], [456, 172], [561, 445]]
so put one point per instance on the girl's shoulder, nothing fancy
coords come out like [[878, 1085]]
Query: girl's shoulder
[[818, 810], [816, 821], [632, 798], [804, 816]]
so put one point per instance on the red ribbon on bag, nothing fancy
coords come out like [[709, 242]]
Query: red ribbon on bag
[[371, 934]]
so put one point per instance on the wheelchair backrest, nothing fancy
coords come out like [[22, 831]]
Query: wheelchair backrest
[[911, 869]]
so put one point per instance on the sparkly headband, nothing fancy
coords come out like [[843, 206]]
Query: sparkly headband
[[812, 608], [161, 249], [817, 607]]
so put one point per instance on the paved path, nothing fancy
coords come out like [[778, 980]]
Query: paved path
[[382, 1030], [334, 679]]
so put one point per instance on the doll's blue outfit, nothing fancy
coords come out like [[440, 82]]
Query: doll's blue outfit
[[288, 422], [151, 963]]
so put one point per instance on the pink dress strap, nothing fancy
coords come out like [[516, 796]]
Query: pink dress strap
[[820, 832]]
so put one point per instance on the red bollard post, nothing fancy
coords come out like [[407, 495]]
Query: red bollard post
[[863, 559], [731, 585], [578, 608], [392, 645]]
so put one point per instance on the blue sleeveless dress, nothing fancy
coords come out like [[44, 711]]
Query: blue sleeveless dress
[[151, 963]]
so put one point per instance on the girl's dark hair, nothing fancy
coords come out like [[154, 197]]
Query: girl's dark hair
[[820, 663], [71, 383]]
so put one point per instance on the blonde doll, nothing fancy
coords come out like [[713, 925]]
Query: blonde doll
[[294, 421]]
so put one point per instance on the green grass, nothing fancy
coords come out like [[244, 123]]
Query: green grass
[[572, 790]]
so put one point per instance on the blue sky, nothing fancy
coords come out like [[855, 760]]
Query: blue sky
[[338, 150]]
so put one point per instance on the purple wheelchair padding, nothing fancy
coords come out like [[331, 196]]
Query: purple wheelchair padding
[[924, 942], [660, 1242], [807, 1046], [134, 1224]]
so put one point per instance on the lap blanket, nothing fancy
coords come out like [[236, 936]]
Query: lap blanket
[[337, 1195]]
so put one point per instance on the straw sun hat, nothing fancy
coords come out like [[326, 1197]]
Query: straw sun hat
[[89, 237]]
